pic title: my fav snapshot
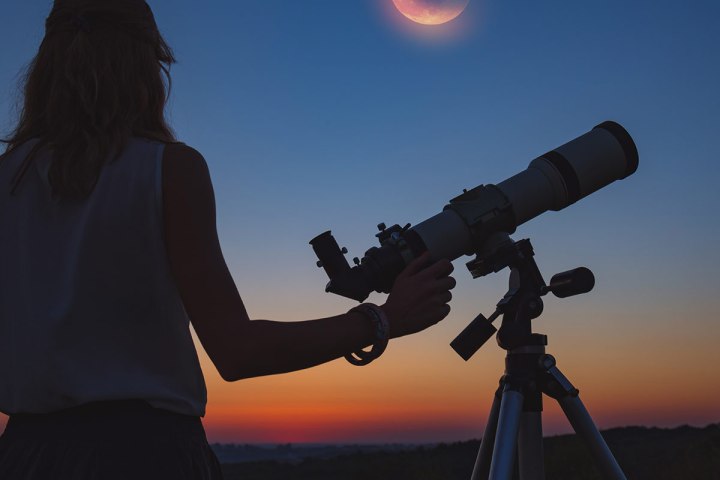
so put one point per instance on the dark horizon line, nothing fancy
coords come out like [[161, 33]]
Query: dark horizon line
[[276, 445]]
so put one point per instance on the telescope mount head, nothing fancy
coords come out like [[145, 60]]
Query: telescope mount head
[[522, 303]]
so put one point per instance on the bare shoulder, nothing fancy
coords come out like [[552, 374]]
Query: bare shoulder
[[180, 160], [185, 173], [186, 184]]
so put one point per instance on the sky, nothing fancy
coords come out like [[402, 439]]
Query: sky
[[325, 114]]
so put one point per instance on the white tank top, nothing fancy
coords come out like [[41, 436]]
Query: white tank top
[[89, 310]]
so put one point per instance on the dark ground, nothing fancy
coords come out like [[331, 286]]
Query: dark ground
[[684, 453]]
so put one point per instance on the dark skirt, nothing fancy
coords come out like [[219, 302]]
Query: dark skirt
[[128, 440]]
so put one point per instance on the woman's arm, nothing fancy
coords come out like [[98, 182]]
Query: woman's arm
[[242, 348]]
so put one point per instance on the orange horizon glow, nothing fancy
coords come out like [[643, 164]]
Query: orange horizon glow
[[225, 424], [351, 424], [420, 391]]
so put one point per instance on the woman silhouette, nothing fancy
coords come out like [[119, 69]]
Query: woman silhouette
[[109, 249]]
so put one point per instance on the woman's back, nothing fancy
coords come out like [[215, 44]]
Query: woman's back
[[88, 307]]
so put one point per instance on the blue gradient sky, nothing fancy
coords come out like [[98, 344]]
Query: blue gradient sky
[[326, 114]]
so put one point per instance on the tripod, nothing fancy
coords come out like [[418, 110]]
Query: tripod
[[513, 435]]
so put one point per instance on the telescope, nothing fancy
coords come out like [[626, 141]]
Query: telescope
[[468, 223], [479, 222]]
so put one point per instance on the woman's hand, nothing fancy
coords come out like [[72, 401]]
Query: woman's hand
[[420, 296]]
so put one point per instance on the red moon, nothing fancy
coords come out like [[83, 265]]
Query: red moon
[[431, 12]]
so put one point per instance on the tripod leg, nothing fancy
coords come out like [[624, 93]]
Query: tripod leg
[[530, 447], [560, 388], [504, 450], [584, 426], [482, 462]]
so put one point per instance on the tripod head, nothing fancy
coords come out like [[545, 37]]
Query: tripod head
[[522, 302]]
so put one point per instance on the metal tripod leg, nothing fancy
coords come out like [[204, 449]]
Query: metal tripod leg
[[506, 436], [584, 426], [567, 396], [482, 462], [530, 447]]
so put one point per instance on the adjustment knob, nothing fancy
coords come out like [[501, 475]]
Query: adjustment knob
[[381, 226], [344, 250], [573, 282]]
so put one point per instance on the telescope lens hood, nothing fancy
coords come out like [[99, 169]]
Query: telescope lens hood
[[626, 142]]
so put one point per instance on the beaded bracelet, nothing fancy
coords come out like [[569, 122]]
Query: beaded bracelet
[[381, 332]]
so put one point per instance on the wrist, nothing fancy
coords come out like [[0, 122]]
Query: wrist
[[392, 316], [378, 320]]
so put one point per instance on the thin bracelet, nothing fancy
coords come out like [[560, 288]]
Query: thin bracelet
[[381, 333]]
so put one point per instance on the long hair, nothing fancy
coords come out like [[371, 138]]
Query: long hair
[[101, 75]]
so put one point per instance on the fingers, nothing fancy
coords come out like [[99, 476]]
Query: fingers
[[441, 268], [445, 283], [439, 313], [436, 286], [416, 265], [422, 295], [438, 306], [442, 298]]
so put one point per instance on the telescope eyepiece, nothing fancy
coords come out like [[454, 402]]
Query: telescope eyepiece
[[330, 257]]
